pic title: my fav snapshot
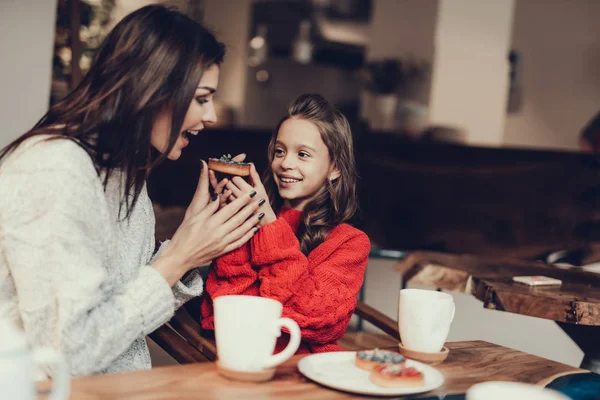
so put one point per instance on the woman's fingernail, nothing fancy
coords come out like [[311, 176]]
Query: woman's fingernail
[[215, 197], [261, 202], [253, 193], [256, 229], [260, 216]]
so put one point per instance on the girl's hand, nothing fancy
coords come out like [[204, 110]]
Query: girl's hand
[[239, 188], [208, 232]]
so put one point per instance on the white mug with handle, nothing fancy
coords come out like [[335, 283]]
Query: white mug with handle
[[18, 367], [246, 331]]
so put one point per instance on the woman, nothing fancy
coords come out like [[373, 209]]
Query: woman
[[76, 223]]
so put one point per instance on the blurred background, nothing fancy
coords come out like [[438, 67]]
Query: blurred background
[[518, 73], [473, 119]]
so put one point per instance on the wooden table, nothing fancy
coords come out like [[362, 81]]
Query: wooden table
[[468, 363], [575, 305]]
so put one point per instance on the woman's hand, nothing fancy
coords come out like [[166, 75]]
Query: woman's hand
[[219, 187], [237, 188], [207, 231], [228, 190]]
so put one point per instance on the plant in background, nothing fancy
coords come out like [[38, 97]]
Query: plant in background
[[393, 76], [394, 85]]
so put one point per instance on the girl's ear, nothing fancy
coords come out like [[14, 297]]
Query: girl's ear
[[334, 174]]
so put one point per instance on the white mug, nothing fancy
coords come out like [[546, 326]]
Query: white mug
[[246, 331], [512, 391], [424, 318], [18, 366]]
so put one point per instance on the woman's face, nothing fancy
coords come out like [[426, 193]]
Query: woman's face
[[200, 112]]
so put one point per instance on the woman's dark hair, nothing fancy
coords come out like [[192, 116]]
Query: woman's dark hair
[[151, 62], [336, 201]]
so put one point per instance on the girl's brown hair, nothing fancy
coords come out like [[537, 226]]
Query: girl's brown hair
[[150, 62], [336, 201]]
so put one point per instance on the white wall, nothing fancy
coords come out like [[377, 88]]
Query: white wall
[[559, 42], [124, 7], [230, 21], [400, 29], [27, 32], [470, 71]]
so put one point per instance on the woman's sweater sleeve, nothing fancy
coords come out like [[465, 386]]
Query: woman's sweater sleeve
[[54, 239], [318, 292], [185, 289]]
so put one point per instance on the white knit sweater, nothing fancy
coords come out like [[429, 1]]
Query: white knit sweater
[[72, 275]]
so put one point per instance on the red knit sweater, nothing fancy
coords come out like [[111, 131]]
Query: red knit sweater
[[319, 292]]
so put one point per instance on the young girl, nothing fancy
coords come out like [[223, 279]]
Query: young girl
[[305, 256]]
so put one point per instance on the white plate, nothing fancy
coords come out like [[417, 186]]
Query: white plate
[[337, 370]]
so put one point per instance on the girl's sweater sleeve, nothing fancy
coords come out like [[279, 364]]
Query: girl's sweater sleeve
[[230, 274], [320, 291]]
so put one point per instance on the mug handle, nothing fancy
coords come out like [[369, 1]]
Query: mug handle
[[292, 346], [61, 379]]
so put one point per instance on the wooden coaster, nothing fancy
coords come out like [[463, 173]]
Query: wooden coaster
[[431, 358], [260, 376]]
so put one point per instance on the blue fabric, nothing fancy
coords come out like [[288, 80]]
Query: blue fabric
[[585, 386]]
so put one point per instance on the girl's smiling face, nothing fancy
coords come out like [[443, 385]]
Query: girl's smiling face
[[301, 163]]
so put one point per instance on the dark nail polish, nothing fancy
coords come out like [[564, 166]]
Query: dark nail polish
[[256, 229], [215, 197], [253, 193], [260, 216], [261, 202]]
